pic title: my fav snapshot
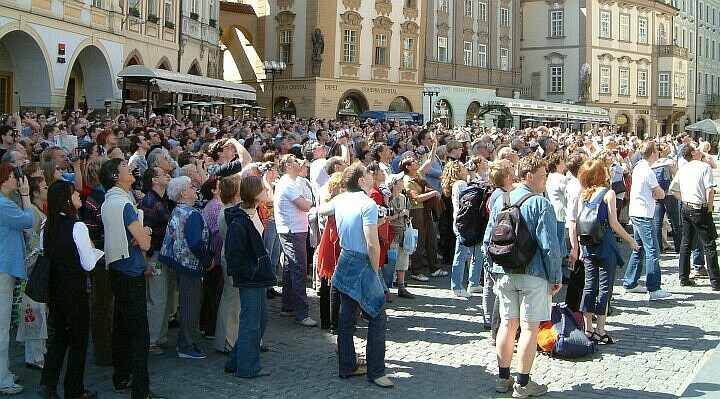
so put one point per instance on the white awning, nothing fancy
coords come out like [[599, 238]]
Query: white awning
[[550, 110], [175, 82]]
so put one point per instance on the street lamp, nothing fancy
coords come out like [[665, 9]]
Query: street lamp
[[431, 92], [273, 68]]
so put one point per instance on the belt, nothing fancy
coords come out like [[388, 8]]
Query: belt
[[694, 205]]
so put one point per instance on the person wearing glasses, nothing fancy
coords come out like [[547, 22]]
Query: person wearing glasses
[[13, 220]]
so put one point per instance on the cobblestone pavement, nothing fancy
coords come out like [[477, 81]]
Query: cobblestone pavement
[[436, 347]]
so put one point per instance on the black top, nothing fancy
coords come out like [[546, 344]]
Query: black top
[[67, 280]]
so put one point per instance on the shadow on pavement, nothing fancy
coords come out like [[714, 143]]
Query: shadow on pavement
[[701, 389]]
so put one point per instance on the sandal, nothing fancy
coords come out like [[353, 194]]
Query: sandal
[[594, 336], [605, 340], [360, 360]]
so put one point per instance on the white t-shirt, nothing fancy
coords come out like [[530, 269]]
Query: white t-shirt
[[642, 203], [288, 217], [318, 176], [556, 188], [457, 188], [353, 211], [572, 194], [693, 179]]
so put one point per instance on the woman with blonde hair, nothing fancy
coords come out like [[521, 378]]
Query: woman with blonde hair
[[453, 183], [601, 260]]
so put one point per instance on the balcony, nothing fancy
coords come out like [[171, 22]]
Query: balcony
[[671, 51], [458, 73], [713, 99]]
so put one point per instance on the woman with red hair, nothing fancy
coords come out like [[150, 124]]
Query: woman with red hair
[[601, 260]]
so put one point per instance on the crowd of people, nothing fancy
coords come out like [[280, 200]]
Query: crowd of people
[[198, 223]]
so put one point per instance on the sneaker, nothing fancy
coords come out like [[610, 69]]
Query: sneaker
[[503, 385], [635, 290], [156, 350], [688, 283], [420, 277], [194, 353], [13, 389], [307, 322], [475, 289], [531, 389], [657, 295], [439, 273], [702, 272], [462, 293]]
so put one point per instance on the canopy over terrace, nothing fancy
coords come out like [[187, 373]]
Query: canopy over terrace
[[534, 111], [153, 79]]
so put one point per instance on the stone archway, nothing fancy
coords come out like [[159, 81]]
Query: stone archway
[[473, 110], [284, 106], [351, 104], [641, 128], [623, 123], [25, 74], [195, 69], [400, 104], [90, 79], [442, 112]]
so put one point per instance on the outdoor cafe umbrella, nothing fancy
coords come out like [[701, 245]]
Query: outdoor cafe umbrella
[[708, 126]]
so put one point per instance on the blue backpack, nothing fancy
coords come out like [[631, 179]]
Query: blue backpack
[[563, 336], [662, 174]]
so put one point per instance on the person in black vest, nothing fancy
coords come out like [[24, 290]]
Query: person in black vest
[[68, 247]]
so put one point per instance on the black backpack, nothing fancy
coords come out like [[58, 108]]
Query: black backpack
[[472, 215], [590, 230], [511, 244]]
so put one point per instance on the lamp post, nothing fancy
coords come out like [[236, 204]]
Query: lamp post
[[273, 68], [431, 92]]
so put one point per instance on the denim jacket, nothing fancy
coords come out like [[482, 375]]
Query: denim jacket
[[186, 241], [355, 278], [539, 215]]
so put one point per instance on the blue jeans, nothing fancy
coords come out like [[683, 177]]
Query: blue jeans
[[670, 206], [599, 280], [272, 243], [294, 297], [458, 265], [375, 340], [643, 233], [244, 357]]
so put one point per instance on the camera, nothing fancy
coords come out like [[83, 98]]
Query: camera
[[265, 167], [470, 165], [17, 171], [384, 211]]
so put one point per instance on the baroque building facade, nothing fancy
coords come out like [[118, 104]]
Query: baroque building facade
[[341, 57], [621, 56], [66, 54]]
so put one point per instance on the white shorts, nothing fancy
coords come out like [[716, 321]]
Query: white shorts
[[525, 297]]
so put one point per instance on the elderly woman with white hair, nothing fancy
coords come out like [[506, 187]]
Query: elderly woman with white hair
[[185, 249]]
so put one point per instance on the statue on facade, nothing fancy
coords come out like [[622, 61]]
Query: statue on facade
[[318, 42], [585, 80]]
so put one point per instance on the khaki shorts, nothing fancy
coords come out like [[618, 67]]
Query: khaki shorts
[[403, 258], [525, 297]]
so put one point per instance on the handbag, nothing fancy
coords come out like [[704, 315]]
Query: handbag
[[410, 239], [619, 186], [37, 286]]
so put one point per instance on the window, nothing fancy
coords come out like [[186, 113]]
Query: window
[[605, 80], [467, 53], [504, 17], [285, 46], [642, 83], [97, 3], [381, 48], [504, 59], [680, 85], [605, 24], [194, 6], [482, 56], [624, 88], [442, 49], [469, 8], [556, 23], [168, 15], [350, 45], [482, 11], [556, 79], [444, 5], [700, 46], [664, 84], [408, 53], [625, 28], [642, 30]]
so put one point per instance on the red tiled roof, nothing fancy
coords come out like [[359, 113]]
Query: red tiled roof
[[239, 8]]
